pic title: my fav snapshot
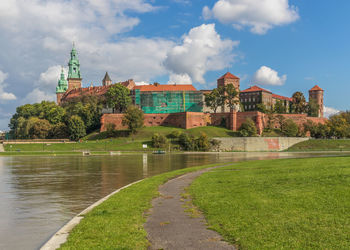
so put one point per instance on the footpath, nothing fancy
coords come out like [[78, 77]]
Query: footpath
[[2, 148], [170, 226]]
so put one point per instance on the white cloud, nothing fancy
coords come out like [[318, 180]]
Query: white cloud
[[202, 50], [48, 80], [37, 95], [259, 15], [328, 111], [179, 79], [268, 76], [5, 96]]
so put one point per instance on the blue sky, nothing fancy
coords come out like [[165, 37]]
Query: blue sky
[[282, 45]]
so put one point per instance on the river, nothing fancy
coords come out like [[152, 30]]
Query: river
[[38, 195]]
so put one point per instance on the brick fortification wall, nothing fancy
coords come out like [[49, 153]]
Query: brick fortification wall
[[187, 120]]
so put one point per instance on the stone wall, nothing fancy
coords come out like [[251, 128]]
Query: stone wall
[[258, 144]]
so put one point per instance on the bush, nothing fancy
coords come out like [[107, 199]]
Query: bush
[[133, 118], [174, 135], [76, 128], [248, 128], [159, 141], [59, 131], [110, 129], [290, 128], [203, 143], [215, 144]]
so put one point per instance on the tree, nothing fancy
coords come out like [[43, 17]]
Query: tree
[[232, 96], [312, 108], [76, 128], [212, 100], [40, 129], [299, 105], [133, 118], [159, 141], [110, 129], [59, 131], [203, 142], [248, 128], [339, 127], [279, 107], [290, 128], [222, 96], [118, 97], [262, 108]]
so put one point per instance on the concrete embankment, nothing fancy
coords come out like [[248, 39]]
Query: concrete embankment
[[258, 144]]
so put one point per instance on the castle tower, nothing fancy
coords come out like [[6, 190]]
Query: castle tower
[[106, 80], [316, 93], [61, 87], [227, 79], [74, 77]]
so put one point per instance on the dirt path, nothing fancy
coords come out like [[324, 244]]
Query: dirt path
[[170, 227]]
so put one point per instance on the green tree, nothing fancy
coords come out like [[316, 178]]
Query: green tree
[[55, 115], [290, 128], [262, 108], [133, 118], [187, 142], [312, 108], [231, 96], [76, 128], [279, 107], [159, 141], [299, 105], [248, 128], [59, 131], [203, 143], [118, 97], [39, 129], [213, 100], [339, 126]]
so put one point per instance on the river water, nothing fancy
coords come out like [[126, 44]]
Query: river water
[[38, 195]]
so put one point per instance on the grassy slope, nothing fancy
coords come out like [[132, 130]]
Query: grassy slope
[[321, 145], [131, 143], [292, 204], [118, 222]]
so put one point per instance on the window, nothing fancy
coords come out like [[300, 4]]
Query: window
[[253, 99]]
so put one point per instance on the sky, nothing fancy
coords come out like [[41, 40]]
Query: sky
[[281, 45]]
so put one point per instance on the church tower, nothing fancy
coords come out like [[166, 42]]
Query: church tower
[[316, 93], [74, 77], [61, 87], [106, 80]]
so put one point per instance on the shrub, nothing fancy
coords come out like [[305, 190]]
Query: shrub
[[248, 128], [133, 118], [76, 128], [290, 128], [203, 143], [159, 141], [110, 129]]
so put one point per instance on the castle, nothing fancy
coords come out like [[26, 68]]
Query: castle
[[183, 105]]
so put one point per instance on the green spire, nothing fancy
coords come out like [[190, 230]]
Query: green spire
[[74, 65], [62, 84]]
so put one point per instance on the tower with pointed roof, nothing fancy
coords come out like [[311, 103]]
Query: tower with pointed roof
[[74, 76], [225, 80], [316, 93], [62, 87], [106, 80]]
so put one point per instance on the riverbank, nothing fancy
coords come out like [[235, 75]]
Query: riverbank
[[258, 204], [321, 145]]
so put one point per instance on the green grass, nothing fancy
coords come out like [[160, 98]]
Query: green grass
[[118, 222], [279, 204], [99, 142], [321, 145]]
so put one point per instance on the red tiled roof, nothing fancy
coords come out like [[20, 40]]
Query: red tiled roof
[[255, 89], [316, 88], [228, 75], [280, 97], [166, 87]]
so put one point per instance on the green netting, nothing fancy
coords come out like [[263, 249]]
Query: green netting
[[169, 102]]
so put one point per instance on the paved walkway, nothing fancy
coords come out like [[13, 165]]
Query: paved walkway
[[170, 227], [2, 148]]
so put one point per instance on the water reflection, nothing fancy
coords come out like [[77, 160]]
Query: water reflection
[[39, 194]]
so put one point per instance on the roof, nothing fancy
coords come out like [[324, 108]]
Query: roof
[[107, 78], [280, 97], [228, 75], [255, 89], [166, 87], [316, 88]]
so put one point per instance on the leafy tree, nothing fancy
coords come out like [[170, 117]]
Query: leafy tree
[[280, 108], [203, 143], [213, 100], [40, 128], [55, 115], [159, 141], [187, 142], [59, 131], [133, 118], [76, 128], [118, 97], [231, 96], [299, 105], [290, 128], [248, 128], [312, 108], [339, 126], [110, 129], [281, 121], [262, 108]]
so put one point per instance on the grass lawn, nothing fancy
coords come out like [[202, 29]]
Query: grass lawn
[[321, 145], [118, 222], [279, 204], [98, 141]]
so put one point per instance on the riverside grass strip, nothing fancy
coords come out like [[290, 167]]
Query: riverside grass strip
[[118, 222], [279, 204], [321, 145]]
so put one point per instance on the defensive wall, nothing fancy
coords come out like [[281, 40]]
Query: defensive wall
[[187, 120], [258, 144]]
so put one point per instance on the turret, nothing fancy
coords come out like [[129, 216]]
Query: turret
[[225, 80], [74, 76], [316, 94], [62, 87], [106, 80]]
